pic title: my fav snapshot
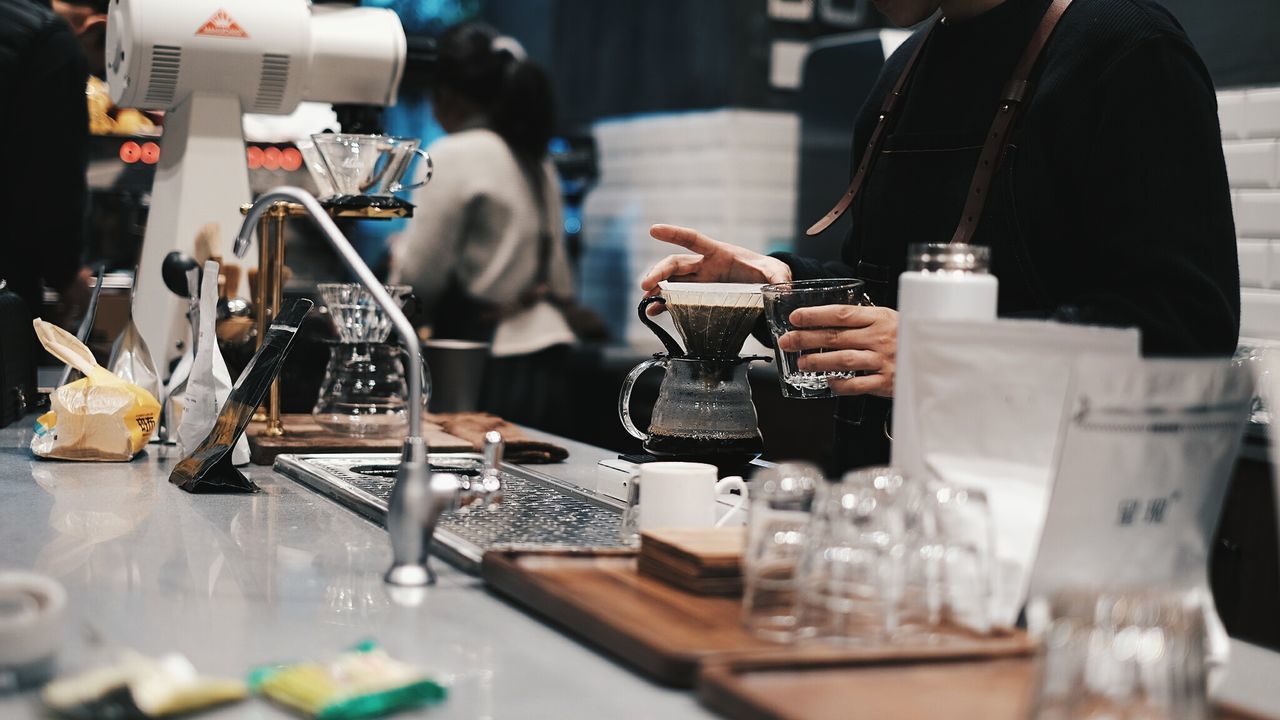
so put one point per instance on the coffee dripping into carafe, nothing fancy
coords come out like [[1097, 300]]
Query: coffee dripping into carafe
[[704, 411]]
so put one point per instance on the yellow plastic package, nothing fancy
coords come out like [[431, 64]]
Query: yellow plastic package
[[98, 417]]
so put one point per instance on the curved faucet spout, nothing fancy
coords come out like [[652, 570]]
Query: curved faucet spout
[[408, 337]]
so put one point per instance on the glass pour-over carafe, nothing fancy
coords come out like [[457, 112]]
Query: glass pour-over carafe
[[364, 392], [704, 411]]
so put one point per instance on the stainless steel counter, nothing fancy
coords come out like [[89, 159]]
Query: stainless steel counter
[[233, 581]]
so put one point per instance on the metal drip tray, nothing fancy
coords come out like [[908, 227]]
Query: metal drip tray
[[537, 511]]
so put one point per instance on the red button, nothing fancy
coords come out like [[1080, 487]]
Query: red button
[[130, 152], [271, 158], [291, 159], [255, 157], [150, 153]]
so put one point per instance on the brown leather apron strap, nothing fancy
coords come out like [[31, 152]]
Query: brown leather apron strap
[[1015, 94], [887, 110]]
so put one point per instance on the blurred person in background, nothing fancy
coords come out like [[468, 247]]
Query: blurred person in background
[[1111, 205], [485, 253], [43, 69]]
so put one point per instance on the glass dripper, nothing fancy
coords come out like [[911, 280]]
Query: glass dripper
[[370, 164], [355, 314], [713, 319]]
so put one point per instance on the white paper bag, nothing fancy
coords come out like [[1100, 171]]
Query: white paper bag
[[1144, 461], [988, 400], [209, 382]]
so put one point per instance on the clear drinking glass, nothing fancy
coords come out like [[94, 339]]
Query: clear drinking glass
[[968, 563], [777, 520], [1122, 654], [918, 586], [847, 578], [780, 300]]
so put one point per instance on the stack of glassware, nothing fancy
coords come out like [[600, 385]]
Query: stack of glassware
[[364, 392], [872, 559], [880, 559]]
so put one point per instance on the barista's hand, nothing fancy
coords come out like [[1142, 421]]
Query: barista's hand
[[710, 261], [851, 337]]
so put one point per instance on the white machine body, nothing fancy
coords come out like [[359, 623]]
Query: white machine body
[[207, 62]]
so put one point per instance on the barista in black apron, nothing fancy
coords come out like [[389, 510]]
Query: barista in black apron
[[1107, 201]]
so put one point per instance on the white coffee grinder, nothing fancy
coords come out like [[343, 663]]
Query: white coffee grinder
[[208, 61]]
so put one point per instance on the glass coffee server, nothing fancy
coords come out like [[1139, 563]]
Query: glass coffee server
[[364, 393]]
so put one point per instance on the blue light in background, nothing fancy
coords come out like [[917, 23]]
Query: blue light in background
[[411, 116], [572, 220], [428, 16]]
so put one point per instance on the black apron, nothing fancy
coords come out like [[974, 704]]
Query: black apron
[[953, 175]]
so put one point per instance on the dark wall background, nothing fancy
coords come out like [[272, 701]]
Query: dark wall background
[[620, 57], [1238, 39]]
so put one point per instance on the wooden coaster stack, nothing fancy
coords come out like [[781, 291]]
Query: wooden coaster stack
[[703, 561]]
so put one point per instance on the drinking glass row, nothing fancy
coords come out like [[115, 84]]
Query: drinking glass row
[[874, 558], [878, 559]]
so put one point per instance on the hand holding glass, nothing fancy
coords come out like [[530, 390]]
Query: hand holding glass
[[782, 299]]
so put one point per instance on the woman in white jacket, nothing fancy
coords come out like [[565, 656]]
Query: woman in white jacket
[[484, 252]]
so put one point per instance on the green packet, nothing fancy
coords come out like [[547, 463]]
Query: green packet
[[364, 682]]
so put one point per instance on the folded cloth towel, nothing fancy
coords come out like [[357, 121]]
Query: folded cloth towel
[[471, 426]]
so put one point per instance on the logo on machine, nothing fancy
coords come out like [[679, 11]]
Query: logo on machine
[[222, 25]]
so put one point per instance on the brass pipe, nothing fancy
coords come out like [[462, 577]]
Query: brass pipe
[[273, 274], [260, 303]]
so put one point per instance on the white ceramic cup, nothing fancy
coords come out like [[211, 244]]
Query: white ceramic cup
[[684, 495]]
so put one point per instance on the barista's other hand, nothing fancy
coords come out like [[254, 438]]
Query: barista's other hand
[[708, 261], [851, 337]]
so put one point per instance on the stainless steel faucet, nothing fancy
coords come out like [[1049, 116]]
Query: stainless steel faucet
[[418, 497]]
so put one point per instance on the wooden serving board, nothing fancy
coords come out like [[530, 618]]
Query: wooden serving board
[[667, 633], [984, 689], [303, 435]]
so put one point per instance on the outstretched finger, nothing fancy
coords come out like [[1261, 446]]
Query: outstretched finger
[[687, 238], [669, 267]]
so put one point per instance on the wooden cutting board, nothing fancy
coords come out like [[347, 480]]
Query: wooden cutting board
[[759, 688], [667, 633], [304, 435]]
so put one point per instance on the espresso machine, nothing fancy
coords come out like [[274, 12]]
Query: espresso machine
[[704, 411]]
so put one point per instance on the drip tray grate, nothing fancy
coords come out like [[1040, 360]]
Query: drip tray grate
[[537, 511]]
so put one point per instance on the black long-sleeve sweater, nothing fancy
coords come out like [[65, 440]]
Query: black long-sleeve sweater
[[1111, 206]]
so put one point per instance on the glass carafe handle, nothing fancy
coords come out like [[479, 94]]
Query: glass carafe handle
[[624, 397]]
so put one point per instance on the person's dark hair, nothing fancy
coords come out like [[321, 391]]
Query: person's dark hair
[[475, 61]]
